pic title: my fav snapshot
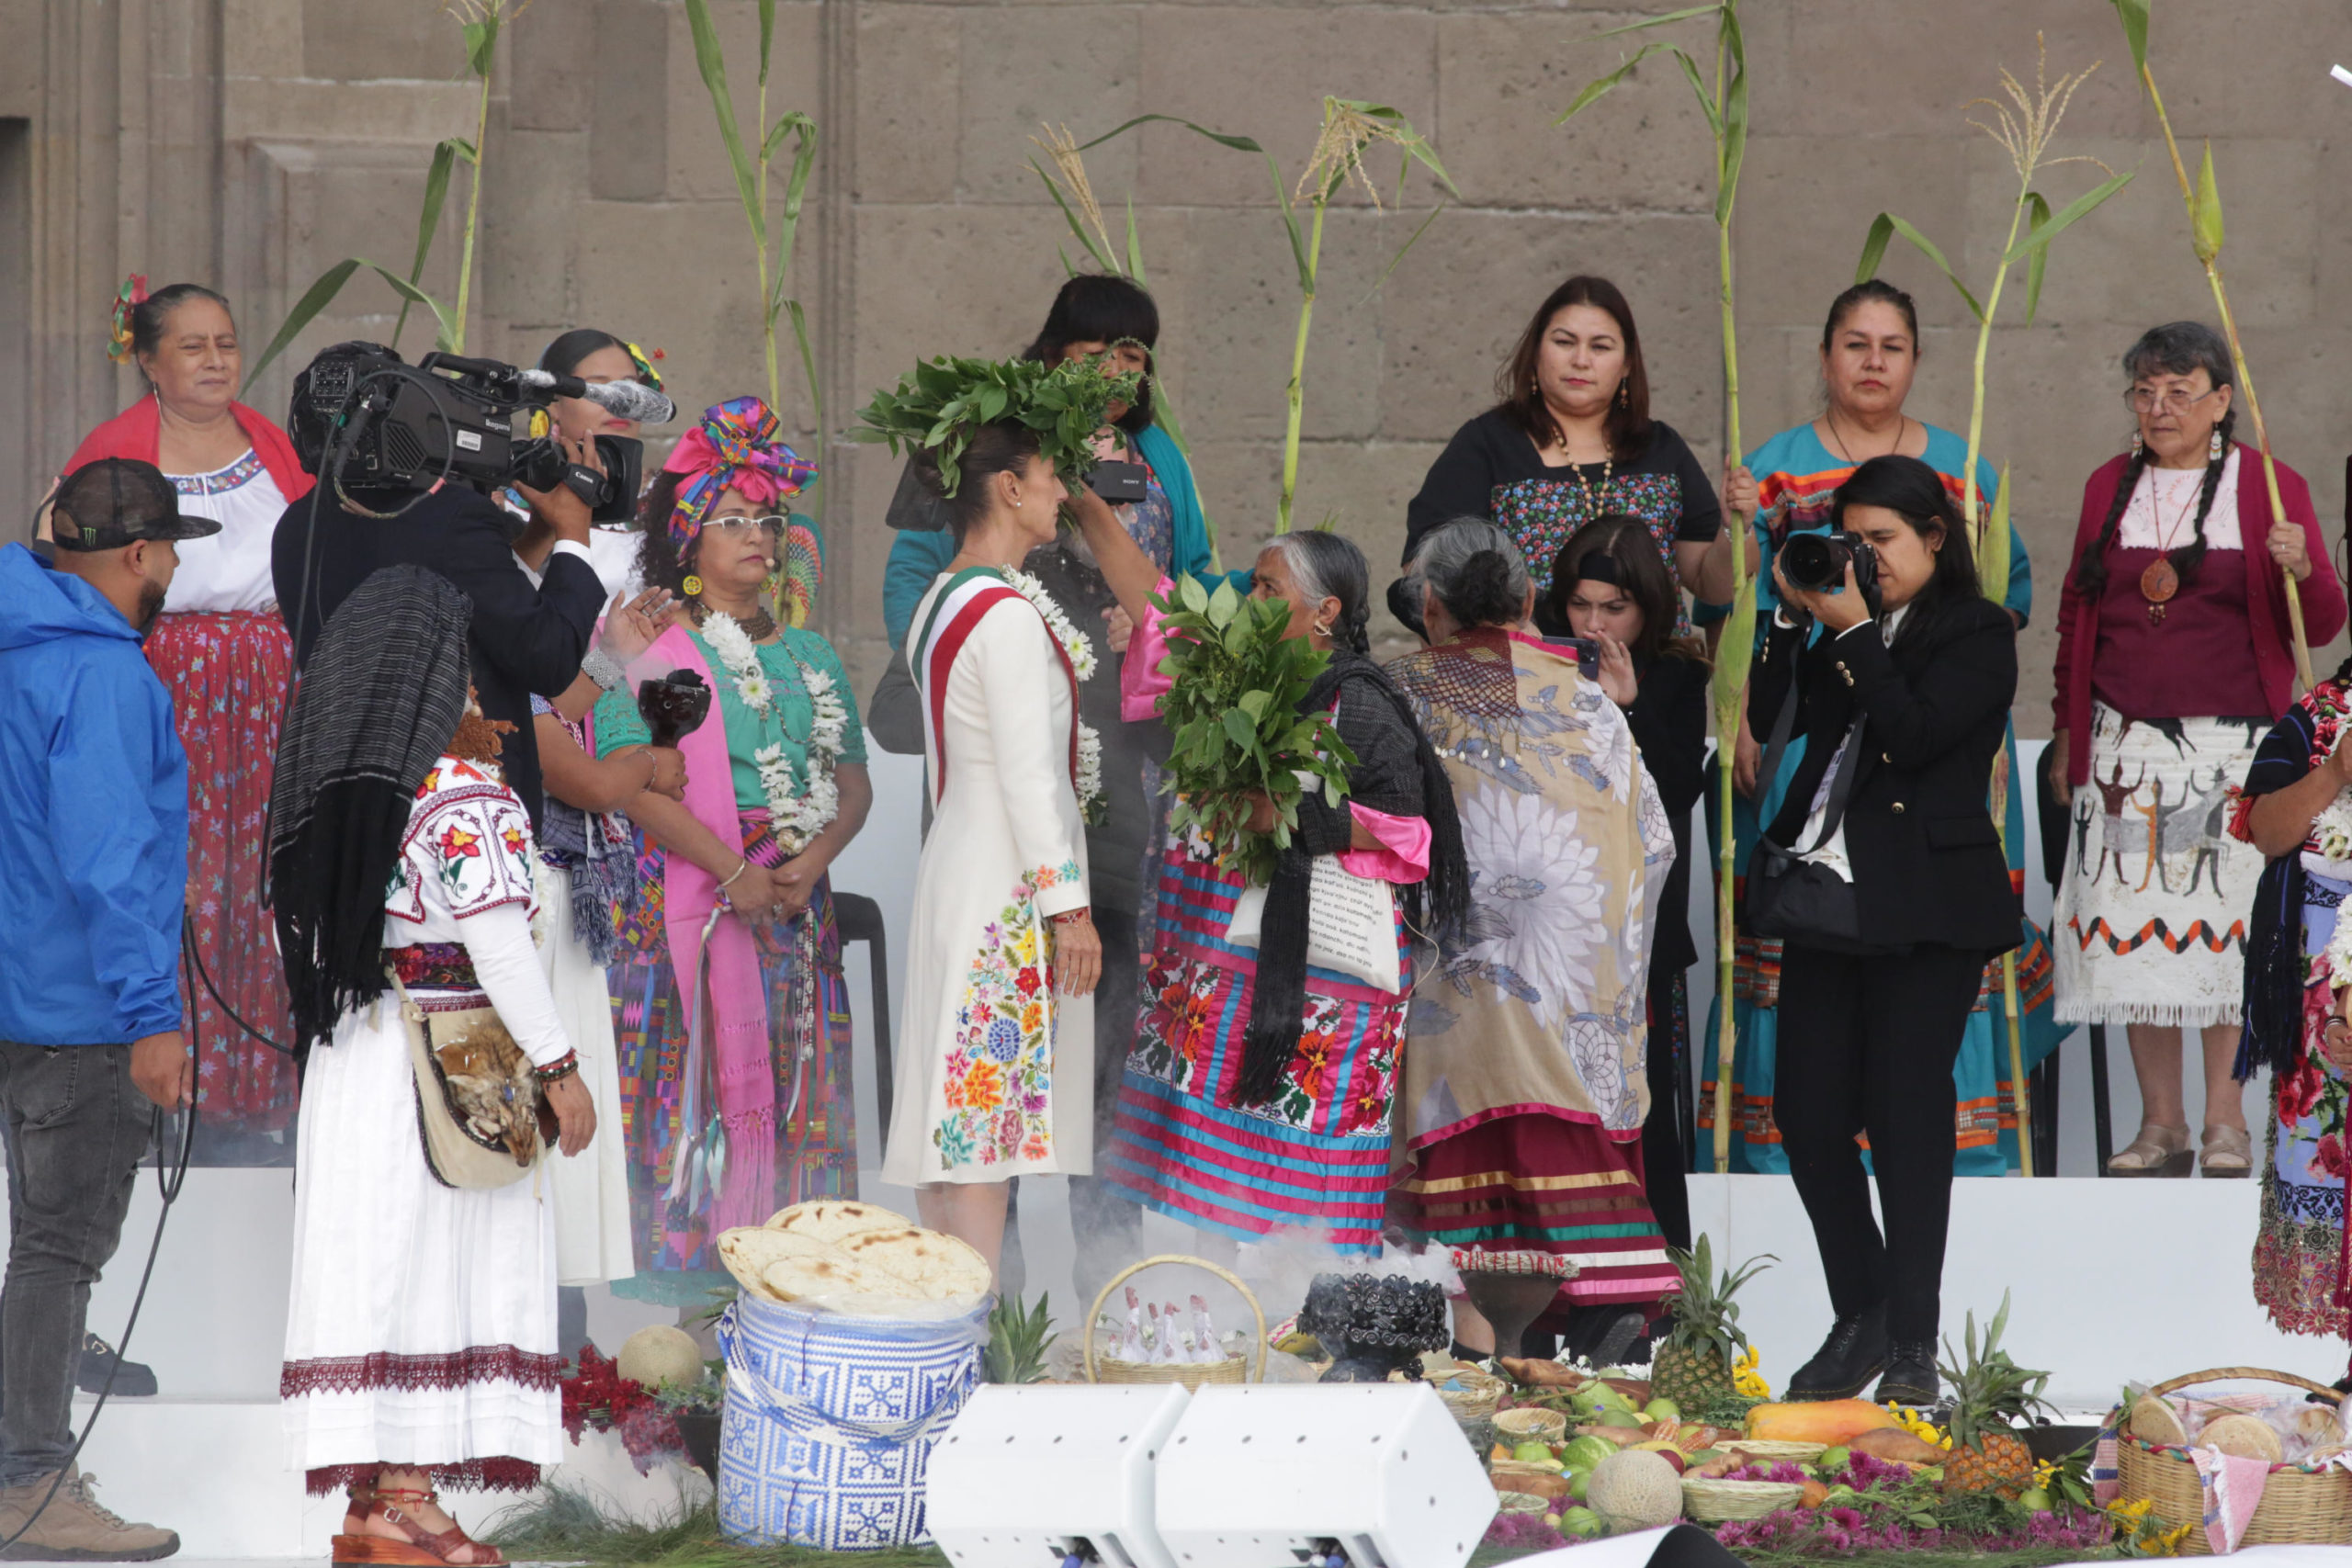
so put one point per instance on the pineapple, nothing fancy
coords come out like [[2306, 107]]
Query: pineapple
[[1692, 1366], [1990, 1394], [1019, 1340]]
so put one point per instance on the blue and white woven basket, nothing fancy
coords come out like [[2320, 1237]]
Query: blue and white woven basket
[[830, 1421]]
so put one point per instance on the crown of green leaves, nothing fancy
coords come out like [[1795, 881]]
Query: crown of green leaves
[[938, 406]]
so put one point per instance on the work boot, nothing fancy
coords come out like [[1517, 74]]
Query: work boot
[[1854, 1353], [74, 1527], [1910, 1374]]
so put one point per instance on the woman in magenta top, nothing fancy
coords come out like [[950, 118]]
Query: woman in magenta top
[[2174, 658]]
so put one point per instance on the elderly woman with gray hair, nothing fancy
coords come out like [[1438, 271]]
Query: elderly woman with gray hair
[[1525, 1085], [2174, 657]]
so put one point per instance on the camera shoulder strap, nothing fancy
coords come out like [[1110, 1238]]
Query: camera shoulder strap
[[1840, 787]]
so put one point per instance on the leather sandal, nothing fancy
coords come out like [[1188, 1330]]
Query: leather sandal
[[2158, 1151], [2229, 1151], [422, 1549]]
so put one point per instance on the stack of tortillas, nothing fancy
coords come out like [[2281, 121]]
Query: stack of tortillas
[[838, 1252]]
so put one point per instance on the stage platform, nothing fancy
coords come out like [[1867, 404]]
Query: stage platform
[[2111, 1279]]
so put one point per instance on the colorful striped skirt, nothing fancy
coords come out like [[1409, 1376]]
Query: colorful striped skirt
[[1537, 1194], [227, 675], [816, 1156], [1316, 1156]]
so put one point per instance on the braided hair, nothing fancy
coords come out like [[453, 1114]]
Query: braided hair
[[1328, 566], [2176, 348]]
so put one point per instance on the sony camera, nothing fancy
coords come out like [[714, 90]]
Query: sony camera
[[1816, 562], [365, 419]]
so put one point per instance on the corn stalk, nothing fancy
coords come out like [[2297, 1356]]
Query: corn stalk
[[479, 22], [772, 239], [1074, 193], [2024, 127], [1350, 127], [1726, 108], [2203, 201]]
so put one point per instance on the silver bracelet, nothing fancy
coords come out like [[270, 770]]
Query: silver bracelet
[[604, 669]]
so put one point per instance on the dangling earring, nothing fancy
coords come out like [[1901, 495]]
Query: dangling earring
[[1624, 395], [2213, 446], [2135, 446], [693, 585]]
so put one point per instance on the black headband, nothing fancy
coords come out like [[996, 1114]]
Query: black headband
[[1599, 566]]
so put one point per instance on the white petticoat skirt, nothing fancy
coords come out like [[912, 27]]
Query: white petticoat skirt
[[422, 1329], [592, 1236]]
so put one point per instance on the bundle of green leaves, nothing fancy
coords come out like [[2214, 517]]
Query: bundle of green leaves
[[938, 406], [1232, 714]]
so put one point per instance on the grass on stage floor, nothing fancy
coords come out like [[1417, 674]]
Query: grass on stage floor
[[566, 1527]]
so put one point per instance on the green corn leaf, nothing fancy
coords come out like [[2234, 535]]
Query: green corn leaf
[[1134, 247], [1993, 546], [1290, 224], [2065, 218], [1070, 216], [1733, 656], [322, 292], [1885, 226], [2133, 15], [428, 222], [2206, 213], [1399, 257], [711, 59], [1415, 145], [481, 43], [1239, 143], [1698, 89], [808, 365], [2037, 214], [1600, 87], [795, 191], [767, 37], [1734, 135]]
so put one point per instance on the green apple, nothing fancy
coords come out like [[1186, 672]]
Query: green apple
[[1662, 1410], [1582, 1523]]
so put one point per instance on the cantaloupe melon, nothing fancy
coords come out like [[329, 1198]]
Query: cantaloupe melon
[[661, 1356], [1634, 1489], [1827, 1421]]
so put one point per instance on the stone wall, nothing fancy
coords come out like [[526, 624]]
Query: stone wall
[[253, 142]]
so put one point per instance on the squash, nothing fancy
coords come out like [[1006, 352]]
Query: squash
[[1826, 1421]]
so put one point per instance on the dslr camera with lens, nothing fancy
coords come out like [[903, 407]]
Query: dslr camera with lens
[[1817, 563], [363, 419]]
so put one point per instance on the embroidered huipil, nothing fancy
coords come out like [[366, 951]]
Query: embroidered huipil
[[995, 1068]]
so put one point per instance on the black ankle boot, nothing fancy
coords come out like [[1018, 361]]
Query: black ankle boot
[[1854, 1353], [1910, 1374]]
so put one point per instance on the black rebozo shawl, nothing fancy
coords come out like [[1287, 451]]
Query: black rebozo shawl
[[378, 702], [1395, 771]]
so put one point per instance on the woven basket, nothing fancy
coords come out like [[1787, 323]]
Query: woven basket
[[1110, 1369], [2300, 1506], [1474, 1400], [1769, 1450], [1718, 1502], [1532, 1424]]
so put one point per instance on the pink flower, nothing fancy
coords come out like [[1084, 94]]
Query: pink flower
[[2327, 1159], [2299, 1092]]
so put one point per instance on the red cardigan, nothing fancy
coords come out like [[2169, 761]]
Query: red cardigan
[[2266, 596], [133, 434]]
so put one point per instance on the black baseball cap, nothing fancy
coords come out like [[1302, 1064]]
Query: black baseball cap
[[108, 503]]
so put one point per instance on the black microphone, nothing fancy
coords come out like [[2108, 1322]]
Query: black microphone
[[622, 399]]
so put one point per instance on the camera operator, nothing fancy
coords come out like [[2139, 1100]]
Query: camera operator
[[523, 638], [94, 818], [1884, 877]]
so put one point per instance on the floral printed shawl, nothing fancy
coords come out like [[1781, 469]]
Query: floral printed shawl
[[1541, 1006]]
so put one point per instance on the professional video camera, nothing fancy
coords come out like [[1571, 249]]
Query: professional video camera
[[365, 420]]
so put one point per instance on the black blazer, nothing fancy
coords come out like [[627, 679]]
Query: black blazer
[[1927, 865], [521, 640]]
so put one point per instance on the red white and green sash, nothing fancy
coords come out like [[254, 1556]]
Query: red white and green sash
[[955, 611]]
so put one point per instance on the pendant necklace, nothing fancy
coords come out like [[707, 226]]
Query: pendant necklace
[[2159, 583], [1594, 498]]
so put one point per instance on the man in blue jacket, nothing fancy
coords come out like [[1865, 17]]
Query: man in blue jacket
[[94, 832]]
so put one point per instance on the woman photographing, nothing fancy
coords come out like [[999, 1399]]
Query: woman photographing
[[1903, 701]]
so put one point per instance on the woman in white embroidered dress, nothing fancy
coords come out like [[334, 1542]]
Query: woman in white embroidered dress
[[421, 1334], [1004, 956]]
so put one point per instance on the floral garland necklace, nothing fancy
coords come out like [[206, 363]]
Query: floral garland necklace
[[1079, 650], [795, 814]]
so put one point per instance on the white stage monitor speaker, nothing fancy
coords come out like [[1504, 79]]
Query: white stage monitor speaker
[[1028, 1476], [1275, 1475]]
